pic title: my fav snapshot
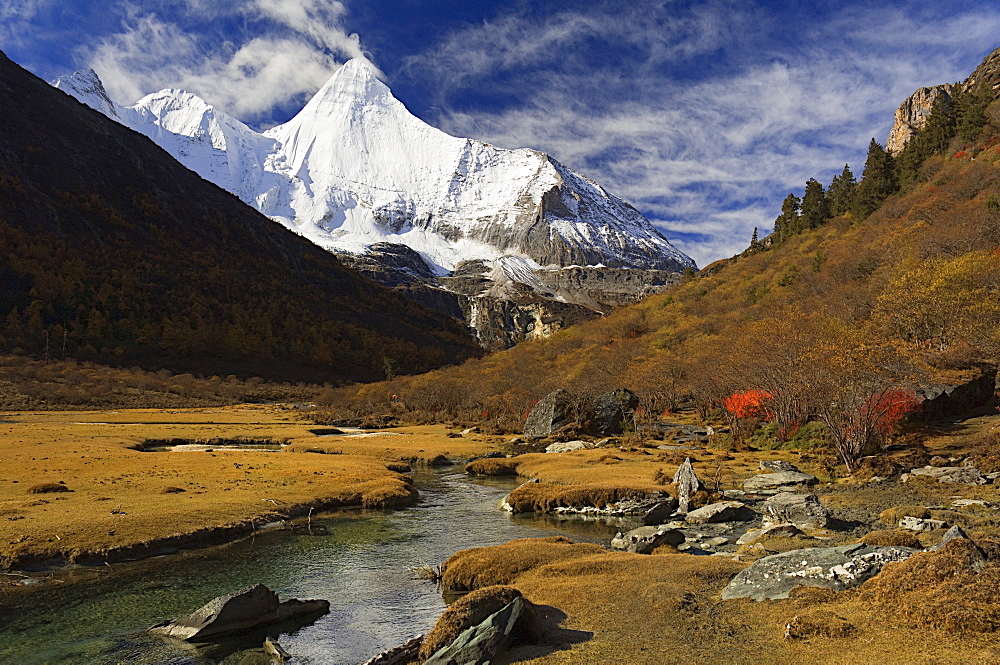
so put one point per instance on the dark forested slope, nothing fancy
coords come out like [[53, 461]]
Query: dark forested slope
[[110, 250]]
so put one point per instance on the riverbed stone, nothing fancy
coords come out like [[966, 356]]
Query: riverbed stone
[[238, 611], [803, 510], [550, 414], [645, 539], [723, 511], [612, 412], [779, 481], [483, 642], [660, 512], [835, 568], [959, 475], [566, 446]]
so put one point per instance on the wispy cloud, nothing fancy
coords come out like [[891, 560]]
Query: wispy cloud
[[294, 50], [696, 113]]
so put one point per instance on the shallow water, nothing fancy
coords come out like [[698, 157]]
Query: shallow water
[[360, 561]]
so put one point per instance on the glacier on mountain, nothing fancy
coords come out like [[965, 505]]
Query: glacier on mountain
[[354, 168]]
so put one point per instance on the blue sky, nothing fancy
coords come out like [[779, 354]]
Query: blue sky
[[703, 114]]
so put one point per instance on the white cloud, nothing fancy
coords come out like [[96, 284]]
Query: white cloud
[[707, 157], [278, 68]]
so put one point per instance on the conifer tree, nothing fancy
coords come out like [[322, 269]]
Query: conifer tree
[[787, 223], [815, 208], [878, 181], [841, 193]]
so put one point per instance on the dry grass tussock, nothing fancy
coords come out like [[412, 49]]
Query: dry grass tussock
[[891, 538], [891, 516], [487, 566], [493, 466], [468, 611], [951, 590], [545, 497]]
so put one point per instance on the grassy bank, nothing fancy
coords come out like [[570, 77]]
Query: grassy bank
[[74, 488]]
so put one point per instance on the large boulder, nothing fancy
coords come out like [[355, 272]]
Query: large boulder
[[612, 412], [645, 539], [958, 475], [723, 511], [552, 412], [780, 481], [803, 510], [239, 611], [483, 642], [834, 568]]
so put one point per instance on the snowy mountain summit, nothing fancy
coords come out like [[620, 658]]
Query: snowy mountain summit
[[355, 169]]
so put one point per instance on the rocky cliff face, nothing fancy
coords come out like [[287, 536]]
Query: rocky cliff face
[[912, 114]]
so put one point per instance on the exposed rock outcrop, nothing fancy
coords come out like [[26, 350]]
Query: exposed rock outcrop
[[912, 114], [834, 568]]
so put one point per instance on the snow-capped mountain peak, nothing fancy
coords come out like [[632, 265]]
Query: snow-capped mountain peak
[[354, 168]]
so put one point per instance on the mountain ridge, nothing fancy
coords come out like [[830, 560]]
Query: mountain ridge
[[113, 251]]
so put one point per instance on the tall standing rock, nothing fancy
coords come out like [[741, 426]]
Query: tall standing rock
[[687, 484], [552, 412]]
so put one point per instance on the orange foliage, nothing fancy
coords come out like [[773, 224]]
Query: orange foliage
[[748, 403]]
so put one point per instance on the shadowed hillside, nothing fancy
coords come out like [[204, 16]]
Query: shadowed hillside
[[896, 289], [112, 251]]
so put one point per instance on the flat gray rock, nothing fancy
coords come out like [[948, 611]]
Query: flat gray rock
[[958, 475], [803, 510], [776, 466], [786, 529], [836, 568], [723, 511], [780, 480]]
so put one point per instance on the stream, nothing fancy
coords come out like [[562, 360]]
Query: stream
[[359, 560]]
